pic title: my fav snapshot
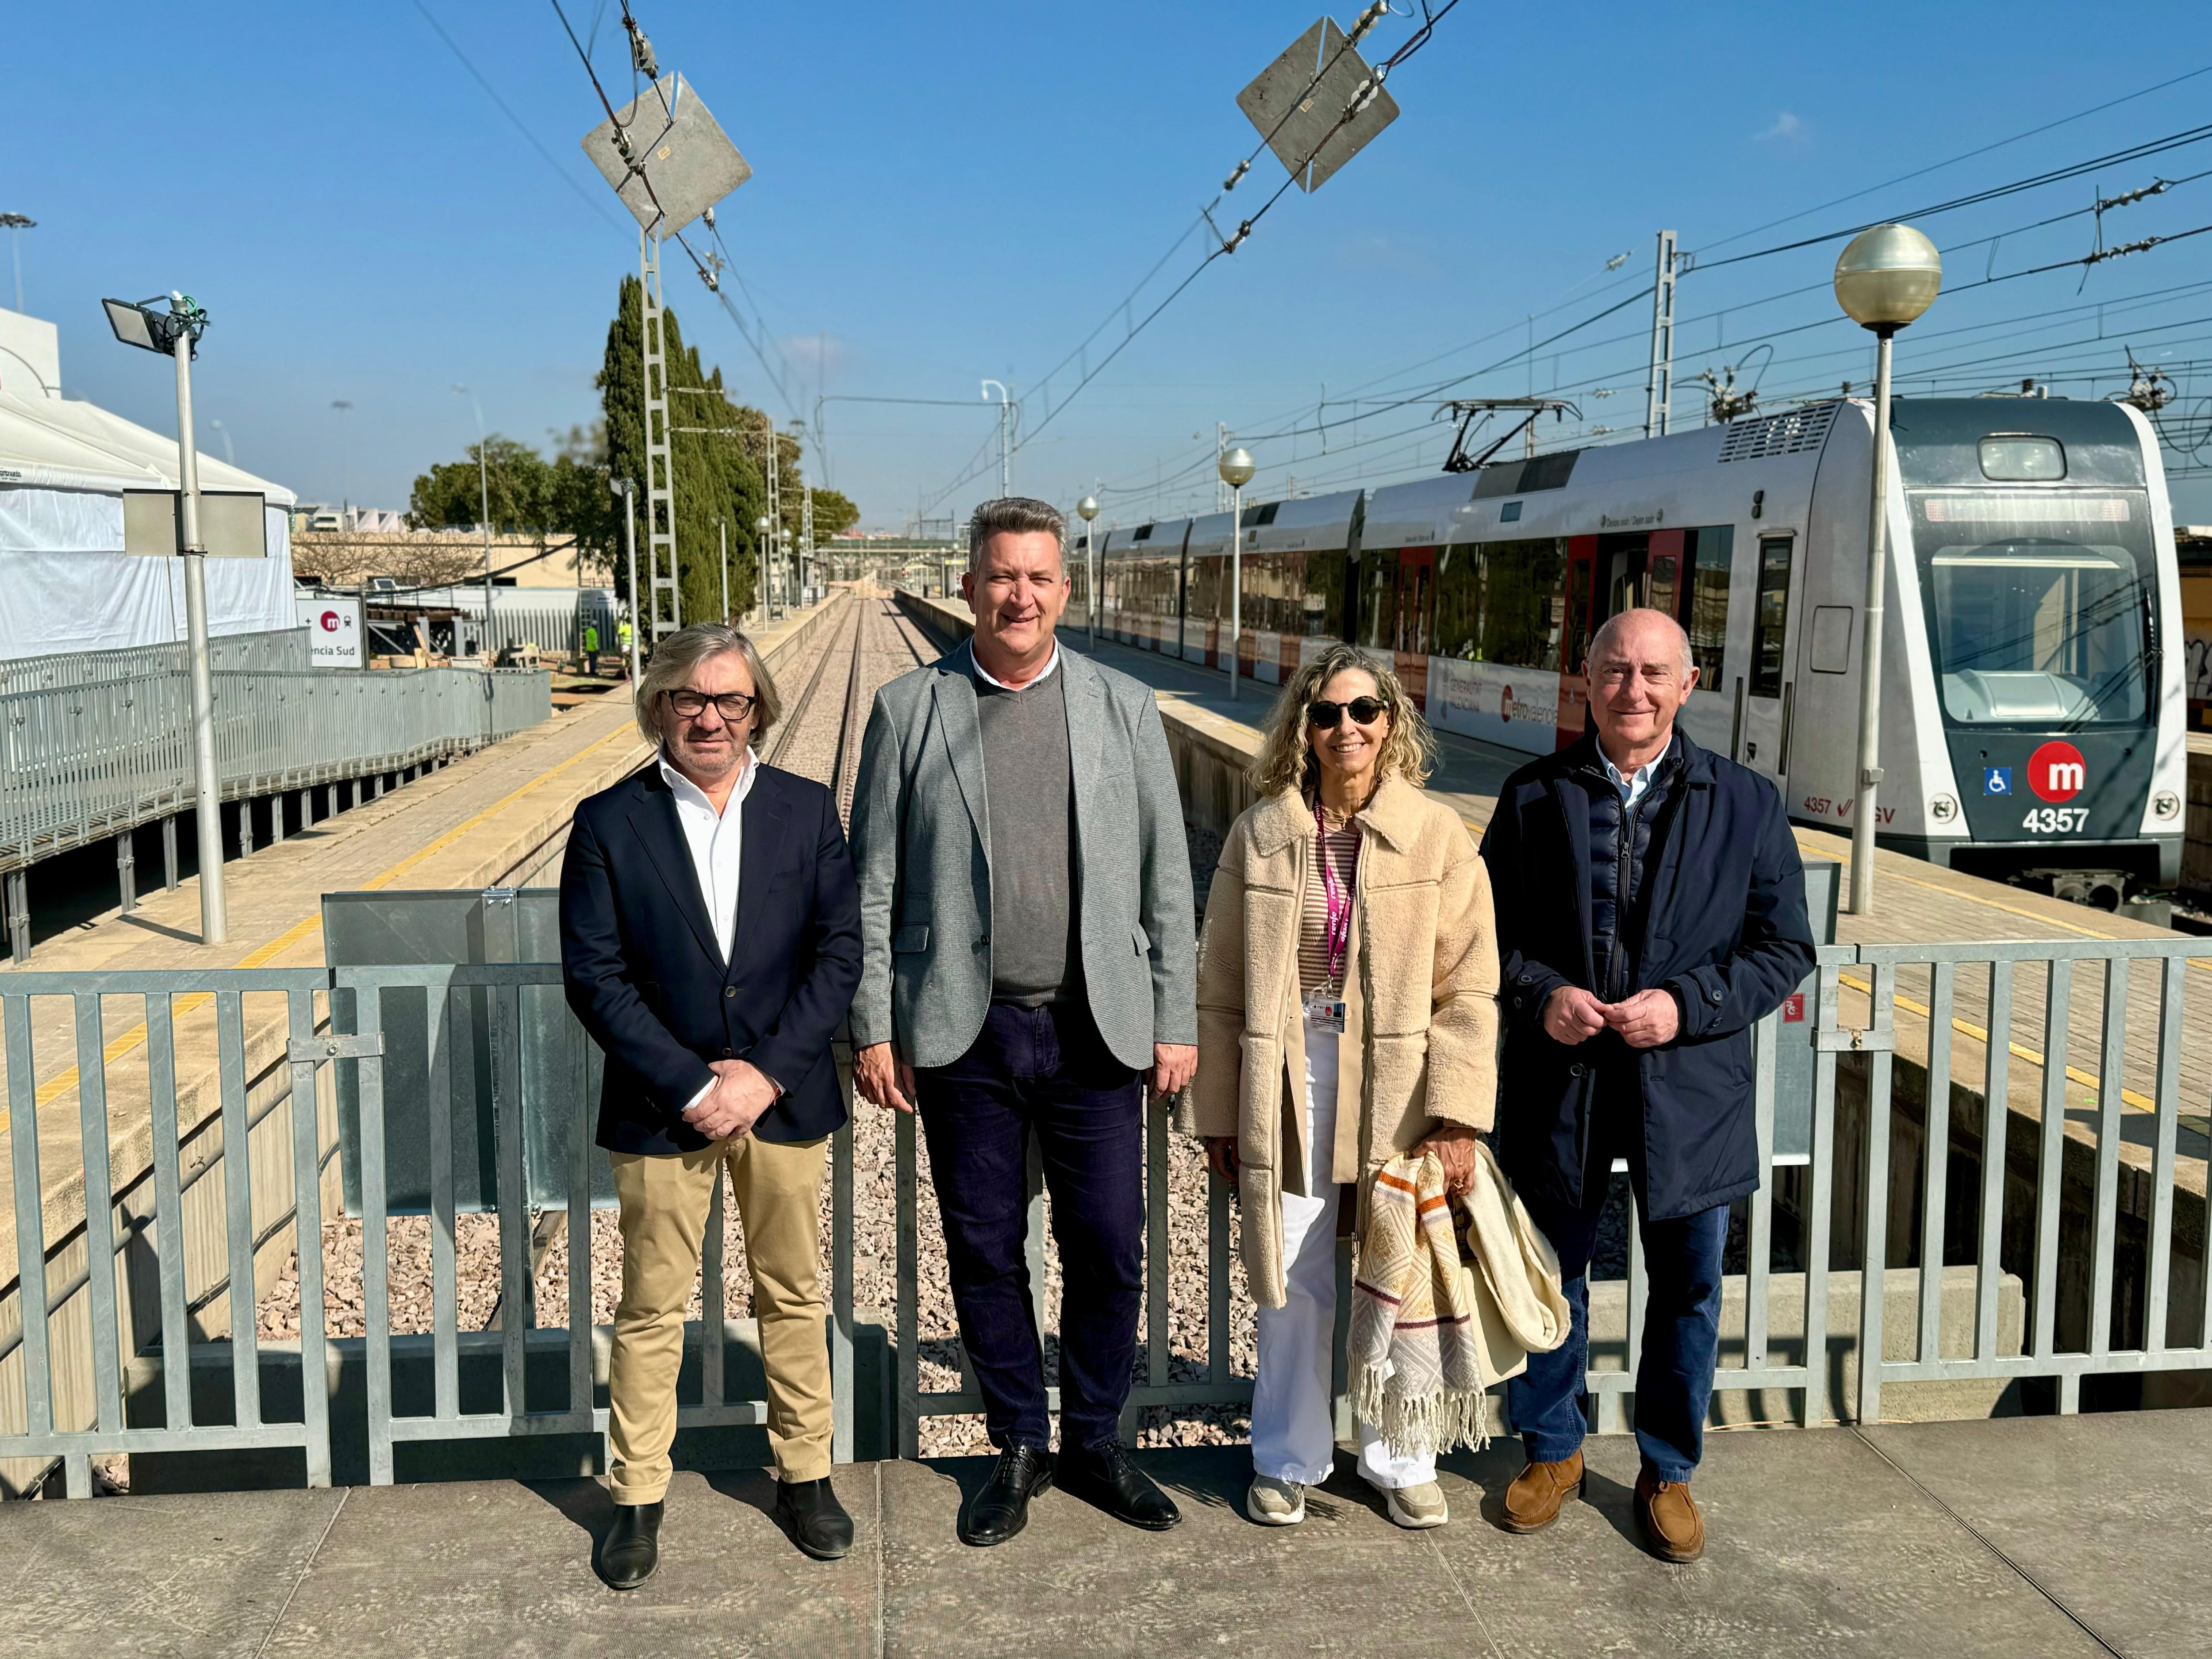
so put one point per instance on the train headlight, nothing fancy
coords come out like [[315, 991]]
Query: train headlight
[[1942, 809], [2165, 804]]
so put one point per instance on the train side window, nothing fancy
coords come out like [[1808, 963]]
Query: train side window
[[1830, 651], [1459, 602], [1523, 603], [1704, 610], [1378, 598], [1772, 620]]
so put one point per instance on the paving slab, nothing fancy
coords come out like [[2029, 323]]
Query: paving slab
[[2110, 1514], [1813, 1546], [161, 1577], [474, 1568], [1078, 1582]]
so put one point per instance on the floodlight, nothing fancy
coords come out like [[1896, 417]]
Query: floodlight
[[665, 136], [1300, 103]]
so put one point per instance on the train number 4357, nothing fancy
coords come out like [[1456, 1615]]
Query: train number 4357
[[2055, 820]]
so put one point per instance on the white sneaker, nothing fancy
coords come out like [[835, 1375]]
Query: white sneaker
[[1275, 1503], [1417, 1507]]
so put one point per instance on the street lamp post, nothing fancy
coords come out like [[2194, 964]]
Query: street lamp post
[[1885, 278], [764, 555], [627, 490], [176, 332], [483, 496], [1087, 508], [1236, 470], [722, 527]]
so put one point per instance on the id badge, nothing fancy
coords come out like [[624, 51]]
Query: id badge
[[1324, 1011]]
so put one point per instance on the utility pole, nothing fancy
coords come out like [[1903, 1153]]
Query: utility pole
[[721, 525], [660, 459], [1005, 435], [1659, 388]]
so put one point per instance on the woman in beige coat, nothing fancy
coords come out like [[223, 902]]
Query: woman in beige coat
[[1347, 905]]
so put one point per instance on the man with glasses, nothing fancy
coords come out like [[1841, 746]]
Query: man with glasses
[[1025, 898], [710, 943], [1651, 911]]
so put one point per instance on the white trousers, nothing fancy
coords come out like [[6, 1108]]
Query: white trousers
[[1293, 1417]]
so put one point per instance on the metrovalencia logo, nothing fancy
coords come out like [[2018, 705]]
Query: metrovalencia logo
[[2056, 771]]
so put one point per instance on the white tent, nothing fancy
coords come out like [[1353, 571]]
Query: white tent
[[65, 582]]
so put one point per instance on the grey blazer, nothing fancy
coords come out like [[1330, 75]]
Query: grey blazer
[[922, 844]]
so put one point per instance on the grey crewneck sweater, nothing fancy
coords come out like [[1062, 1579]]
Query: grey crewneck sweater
[[1036, 951]]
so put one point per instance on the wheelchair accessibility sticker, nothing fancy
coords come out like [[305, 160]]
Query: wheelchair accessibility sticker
[[1996, 780]]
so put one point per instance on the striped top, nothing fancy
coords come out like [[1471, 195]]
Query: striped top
[[1341, 848]]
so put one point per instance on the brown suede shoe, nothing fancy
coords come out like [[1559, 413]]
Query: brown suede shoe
[[1532, 1502], [1670, 1517]]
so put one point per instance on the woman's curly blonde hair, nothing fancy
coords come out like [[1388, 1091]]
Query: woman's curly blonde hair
[[1287, 759]]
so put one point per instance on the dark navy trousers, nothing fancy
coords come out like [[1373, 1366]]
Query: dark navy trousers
[[1681, 1316], [1042, 1072]]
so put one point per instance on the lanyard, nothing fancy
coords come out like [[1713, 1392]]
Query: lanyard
[[1336, 937]]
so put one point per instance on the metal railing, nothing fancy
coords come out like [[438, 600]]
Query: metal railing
[[2116, 1298], [277, 650], [84, 761]]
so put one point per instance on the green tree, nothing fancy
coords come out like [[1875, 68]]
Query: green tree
[[834, 512], [448, 496], [718, 477], [578, 504]]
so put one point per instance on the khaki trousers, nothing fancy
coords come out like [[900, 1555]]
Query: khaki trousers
[[664, 1199]]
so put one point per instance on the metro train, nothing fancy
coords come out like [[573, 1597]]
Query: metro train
[[2031, 714]]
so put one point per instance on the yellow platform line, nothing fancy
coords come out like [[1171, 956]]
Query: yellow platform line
[[65, 1082], [1980, 1033]]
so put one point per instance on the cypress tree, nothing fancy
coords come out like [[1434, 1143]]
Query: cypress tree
[[718, 472]]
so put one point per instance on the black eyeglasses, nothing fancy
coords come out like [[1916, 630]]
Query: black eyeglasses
[[1365, 711], [733, 705]]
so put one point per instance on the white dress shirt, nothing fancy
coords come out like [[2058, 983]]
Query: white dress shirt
[[716, 843], [1043, 674], [715, 840]]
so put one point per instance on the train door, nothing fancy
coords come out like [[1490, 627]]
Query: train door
[[1576, 624], [1769, 692], [1413, 634]]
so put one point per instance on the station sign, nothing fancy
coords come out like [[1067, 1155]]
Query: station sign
[[334, 632]]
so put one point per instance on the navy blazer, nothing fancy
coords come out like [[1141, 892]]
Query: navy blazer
[[639, 958], [1721, 923]]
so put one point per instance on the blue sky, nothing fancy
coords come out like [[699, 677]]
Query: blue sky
[[949, 193]]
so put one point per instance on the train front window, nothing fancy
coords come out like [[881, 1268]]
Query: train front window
[[2039, 608]]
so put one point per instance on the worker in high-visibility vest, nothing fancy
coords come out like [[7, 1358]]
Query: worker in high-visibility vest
[[623, 632], [591, 649]]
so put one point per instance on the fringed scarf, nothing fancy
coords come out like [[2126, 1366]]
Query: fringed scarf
[[1416, 1377]]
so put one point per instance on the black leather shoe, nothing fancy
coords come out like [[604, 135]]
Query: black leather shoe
[[632, 1548], [1002, 1508], [1103, 1475], [816, 1522]]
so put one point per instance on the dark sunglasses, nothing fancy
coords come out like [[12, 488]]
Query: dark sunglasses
[[1365, 711], [733, 705]]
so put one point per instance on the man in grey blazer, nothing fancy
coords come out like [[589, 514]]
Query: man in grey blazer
[[1029, 958]]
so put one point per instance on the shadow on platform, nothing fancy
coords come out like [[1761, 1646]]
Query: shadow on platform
[[2042, 1536]]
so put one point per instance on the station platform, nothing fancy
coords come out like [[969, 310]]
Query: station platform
[[2045, 1536]]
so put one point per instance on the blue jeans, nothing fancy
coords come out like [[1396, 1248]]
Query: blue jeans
[[1681, 1319], [1044, 1071]]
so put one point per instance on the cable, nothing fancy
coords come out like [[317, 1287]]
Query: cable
[[2134, 153], [588, 200]]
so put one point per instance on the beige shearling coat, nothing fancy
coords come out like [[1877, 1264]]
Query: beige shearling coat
[[1420, 995]]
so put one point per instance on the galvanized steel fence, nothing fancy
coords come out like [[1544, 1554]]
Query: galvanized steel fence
[[276, 649], [84, 761], [2134, 1299]]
